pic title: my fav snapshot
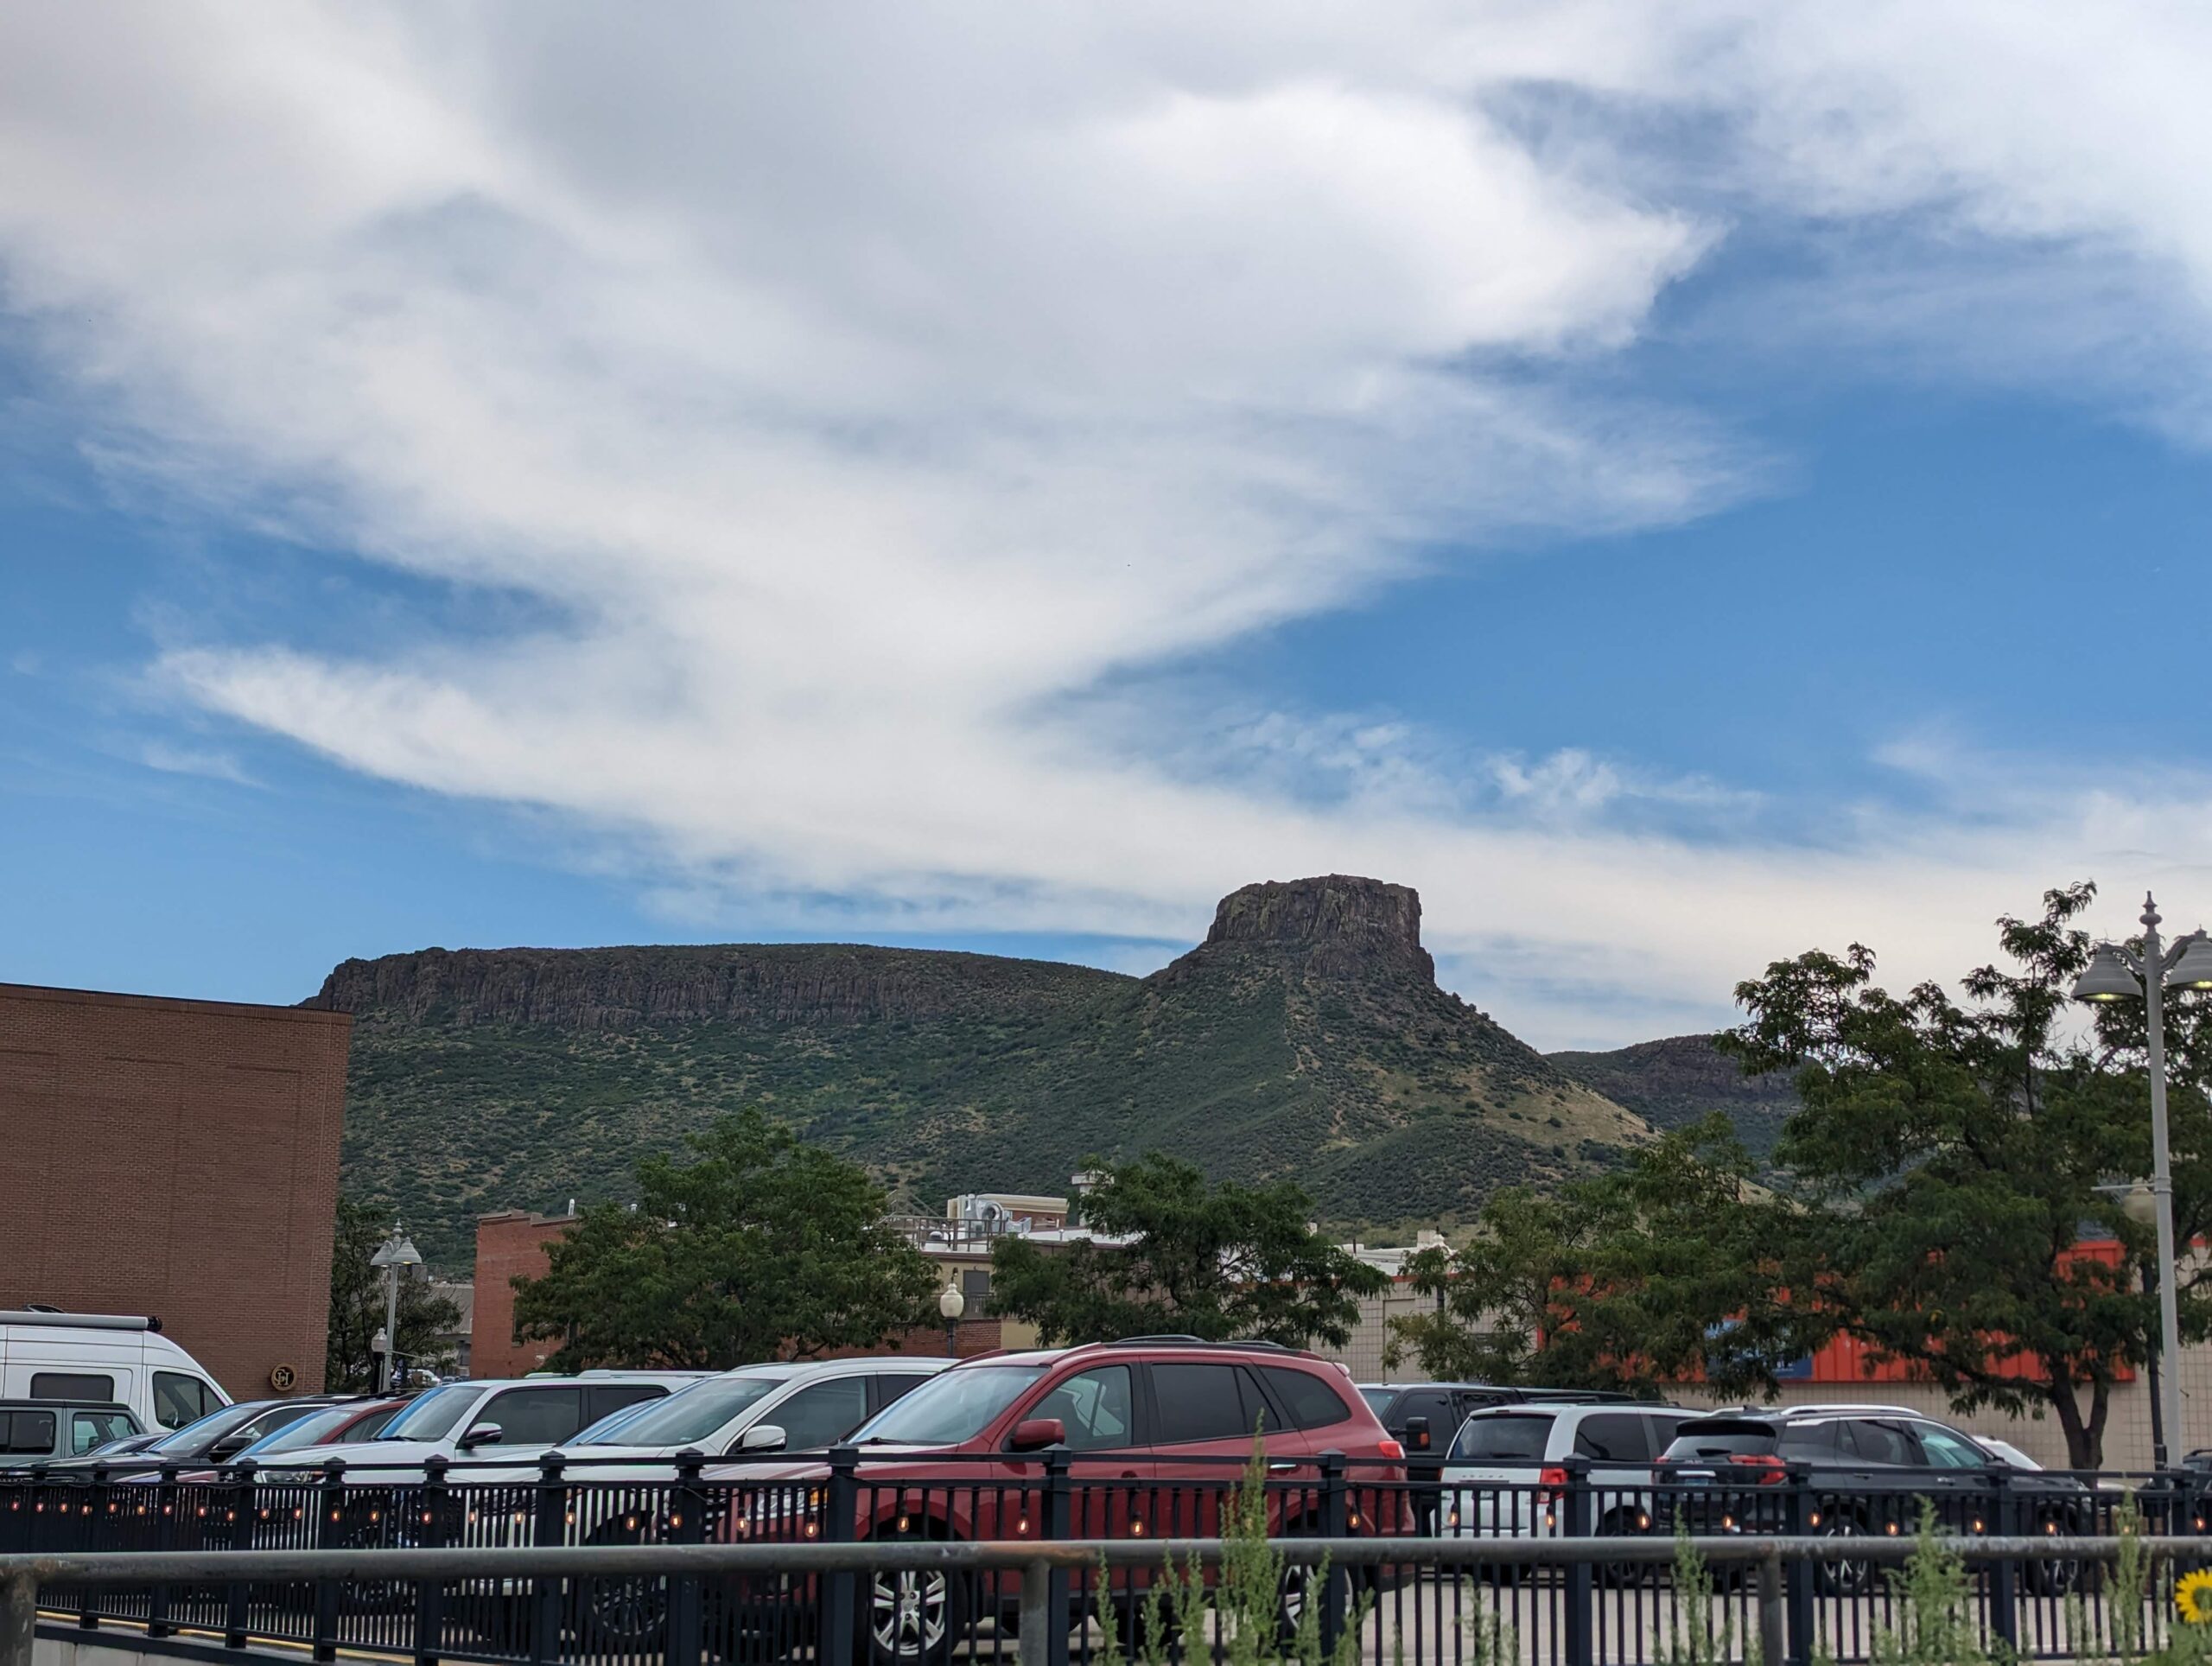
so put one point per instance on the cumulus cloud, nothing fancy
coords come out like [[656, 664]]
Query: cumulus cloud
[[862, 393]]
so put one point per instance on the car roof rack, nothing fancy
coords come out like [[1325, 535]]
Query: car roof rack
[[1819, 1409], [1190, 1342]]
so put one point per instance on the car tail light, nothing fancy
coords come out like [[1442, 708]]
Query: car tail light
[[1550, 1479], [1771, 1470], [1391, 1449]]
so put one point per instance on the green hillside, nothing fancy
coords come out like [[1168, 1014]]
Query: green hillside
[[1306, 1036]]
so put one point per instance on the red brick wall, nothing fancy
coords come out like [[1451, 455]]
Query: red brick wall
[[509, 1245], [177, 1158]]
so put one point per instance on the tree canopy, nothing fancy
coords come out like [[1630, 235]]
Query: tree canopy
[[1661, 1271], [1221, 1261], [759, 1247], [357, 1306], [1948, 1162]]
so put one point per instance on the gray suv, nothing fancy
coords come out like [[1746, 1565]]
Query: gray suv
[[53, 1431]]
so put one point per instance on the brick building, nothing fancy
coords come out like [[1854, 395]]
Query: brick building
[[175, 1158]]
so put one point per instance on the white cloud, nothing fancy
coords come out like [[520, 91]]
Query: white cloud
[[863, 391], [212, 765]]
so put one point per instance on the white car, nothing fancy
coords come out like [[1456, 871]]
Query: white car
[[1506, 1467], [107, 1358], [755, 1411], [466, 1422]]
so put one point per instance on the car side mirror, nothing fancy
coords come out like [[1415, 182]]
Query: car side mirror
[[762, 1437], [1417, 1433], [484, 1434], [1035, 1433]]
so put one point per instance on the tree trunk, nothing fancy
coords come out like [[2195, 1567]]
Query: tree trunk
[[2085, 1441]]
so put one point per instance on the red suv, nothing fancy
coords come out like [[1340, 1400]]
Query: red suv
[[1157, 1432]]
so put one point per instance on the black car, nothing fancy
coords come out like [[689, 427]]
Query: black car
[[49, 1431], [1423, 1417], [214, 1439], [1867, 1471]]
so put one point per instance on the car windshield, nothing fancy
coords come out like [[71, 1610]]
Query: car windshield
[[1508, 1437], [433, 1416], [951, 1406], [1380, 1399], [692, 1414], [1716, 1439], [194, 1438], [312, 1430]]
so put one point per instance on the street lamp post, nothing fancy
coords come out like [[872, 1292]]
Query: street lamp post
[[395, 1253], [2115, 974], [951, 1304]]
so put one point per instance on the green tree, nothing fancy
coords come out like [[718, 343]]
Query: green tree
[[1949, 1157], [1225, 1262], [760, 1247], [1661, 1271], [357, 1305]]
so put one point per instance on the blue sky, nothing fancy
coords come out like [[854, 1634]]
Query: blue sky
[[1674, 490]]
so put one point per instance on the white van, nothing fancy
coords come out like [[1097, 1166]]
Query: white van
[[107, 1358]]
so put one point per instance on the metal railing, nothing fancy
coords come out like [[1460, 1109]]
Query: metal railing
[[917, 1559], [25, 1580]]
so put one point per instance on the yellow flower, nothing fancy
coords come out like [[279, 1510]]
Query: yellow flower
[[2193, 1597]]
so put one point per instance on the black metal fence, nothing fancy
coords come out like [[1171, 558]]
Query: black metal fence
[[1571, 1569]]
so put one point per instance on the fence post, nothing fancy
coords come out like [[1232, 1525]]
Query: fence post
[[686, 1525], [549, 1526], [18, 1619], [1574, 1517], [1058, 1498], [167, 1505], [1036, 1608], [1774, 1625], [1335, 1508], [1801, 1577], [2004, 1575], [842, 1505], [244, 1496], [88, 1601], [329, 1532], [428, 1529]]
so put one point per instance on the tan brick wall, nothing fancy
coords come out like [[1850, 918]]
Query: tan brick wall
[[177, 1158]]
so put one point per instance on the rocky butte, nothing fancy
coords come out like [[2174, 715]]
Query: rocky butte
[[1306, 1035]]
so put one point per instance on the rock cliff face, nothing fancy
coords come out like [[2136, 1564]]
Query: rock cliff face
[[1676, 1081], [751, 983], [1306, 1037], [1337, 926]]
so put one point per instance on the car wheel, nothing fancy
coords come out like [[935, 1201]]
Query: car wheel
[[620, 1616], [1623, 1525], [1841, 1576], [913, 1616]]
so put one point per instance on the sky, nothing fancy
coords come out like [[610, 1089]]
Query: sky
[[1678, 486]]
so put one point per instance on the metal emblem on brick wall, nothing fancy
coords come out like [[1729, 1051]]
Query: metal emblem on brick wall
[[282, 1378]]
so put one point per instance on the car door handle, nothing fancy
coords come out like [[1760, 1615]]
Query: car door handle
[[1281, 1469], [1131, 1475]]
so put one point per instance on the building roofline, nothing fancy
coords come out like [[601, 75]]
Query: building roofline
[[69, 997]]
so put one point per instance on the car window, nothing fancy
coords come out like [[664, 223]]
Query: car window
[[312, 1430], [609, 1398], [1378, 1401], [1614, 1437], [821, 1413], [26, 1434], [71, 1385], [1718, 1437], [687, 1415], [1877, 1443], [1947, 1451], [180, 1399], [1309, 1402], [1470, 1400], [533, 1417], [1096, 1406], [194, 1439], [1204, 1402], [897, 1385], [1435, 1404], [433, 1416], [1808, 1440], [954, 1406], [90, 1430], [1503, 1438]]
